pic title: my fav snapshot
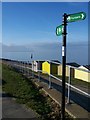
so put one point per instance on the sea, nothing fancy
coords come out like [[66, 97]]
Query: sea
[[78, 53]]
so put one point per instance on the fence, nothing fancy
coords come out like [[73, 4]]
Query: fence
[[23, 67]]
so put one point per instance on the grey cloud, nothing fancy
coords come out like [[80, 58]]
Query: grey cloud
[[76, 52]]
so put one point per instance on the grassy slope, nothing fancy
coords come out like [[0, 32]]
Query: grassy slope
[[25, 91]]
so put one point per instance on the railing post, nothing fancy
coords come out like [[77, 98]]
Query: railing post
[[23, 68], [38, 76], [50, 76], [38, 71], [49, 81], [69, 82], [28, 68], [32, 69], [20, 67]]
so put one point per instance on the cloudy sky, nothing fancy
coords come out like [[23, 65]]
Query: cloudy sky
[[30, 27]]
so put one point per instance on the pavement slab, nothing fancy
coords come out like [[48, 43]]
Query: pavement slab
[[11, 109]]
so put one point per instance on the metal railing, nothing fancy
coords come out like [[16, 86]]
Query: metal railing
[[69, 86]]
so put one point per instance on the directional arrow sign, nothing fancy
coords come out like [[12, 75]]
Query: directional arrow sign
[[59, 30], [76, 17]]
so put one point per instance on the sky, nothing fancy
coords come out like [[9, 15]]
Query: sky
[[45, 0], [28, 22], [32, 26]]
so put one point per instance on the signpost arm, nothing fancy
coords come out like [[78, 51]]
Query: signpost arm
[[63, 66]]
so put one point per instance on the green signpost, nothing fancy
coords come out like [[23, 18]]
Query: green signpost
[[62, 30], [59, 30], [76, 17], [70, 18]]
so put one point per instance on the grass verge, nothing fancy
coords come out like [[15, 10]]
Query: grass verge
[[25, 92]]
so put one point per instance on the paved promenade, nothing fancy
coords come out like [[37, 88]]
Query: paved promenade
[[75, 110], [11, 109]]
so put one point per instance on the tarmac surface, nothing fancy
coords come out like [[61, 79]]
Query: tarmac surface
[[11, 109]]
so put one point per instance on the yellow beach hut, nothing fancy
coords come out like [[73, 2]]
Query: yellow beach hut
[[83, 73], [50, 67], [69, 66]]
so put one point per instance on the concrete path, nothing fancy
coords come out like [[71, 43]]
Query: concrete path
[[73, 109], [11, 109]]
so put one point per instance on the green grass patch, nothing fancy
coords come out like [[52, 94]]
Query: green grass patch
[[26, 92]]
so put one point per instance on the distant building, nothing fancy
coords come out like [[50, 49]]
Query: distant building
[[51, 67], [83, 73]]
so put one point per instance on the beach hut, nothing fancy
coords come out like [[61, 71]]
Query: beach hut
[[83, 73], [51, 67], [37, 65], [69, 66]]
